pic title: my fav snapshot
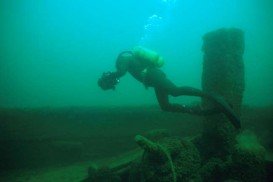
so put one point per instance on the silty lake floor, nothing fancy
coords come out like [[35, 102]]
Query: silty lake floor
[[58, 144]]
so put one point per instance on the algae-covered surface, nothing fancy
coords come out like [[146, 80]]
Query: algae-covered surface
[[61, 144]]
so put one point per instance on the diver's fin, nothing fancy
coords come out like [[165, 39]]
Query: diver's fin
[[226, 109]]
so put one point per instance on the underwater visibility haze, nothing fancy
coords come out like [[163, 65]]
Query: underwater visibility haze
[[52, 52]]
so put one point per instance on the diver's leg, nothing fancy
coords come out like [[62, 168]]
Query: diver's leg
[[157, 79], [163, 100], [219, 102], [226, 109], [189, 91], [165, 87], [220, 105], [200, 110]]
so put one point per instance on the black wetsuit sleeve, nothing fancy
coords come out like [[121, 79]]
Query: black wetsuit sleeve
[[122, 63], [122, 68]]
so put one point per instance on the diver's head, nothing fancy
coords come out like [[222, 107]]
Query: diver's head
[[108, 81]]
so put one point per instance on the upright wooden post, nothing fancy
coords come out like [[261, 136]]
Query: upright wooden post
[[223, 74]]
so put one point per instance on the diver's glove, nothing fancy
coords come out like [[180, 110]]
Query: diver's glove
[[108, 81]]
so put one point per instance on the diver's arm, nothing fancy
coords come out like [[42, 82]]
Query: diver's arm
[[110, 79], [122, 68], [122, 64]]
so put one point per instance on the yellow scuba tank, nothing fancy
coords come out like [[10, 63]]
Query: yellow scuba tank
[[148, 55]]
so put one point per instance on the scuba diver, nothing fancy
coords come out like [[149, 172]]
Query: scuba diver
[[144, 65]]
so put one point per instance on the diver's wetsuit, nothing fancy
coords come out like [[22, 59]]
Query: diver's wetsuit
[[164, 87], [154, 77]]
